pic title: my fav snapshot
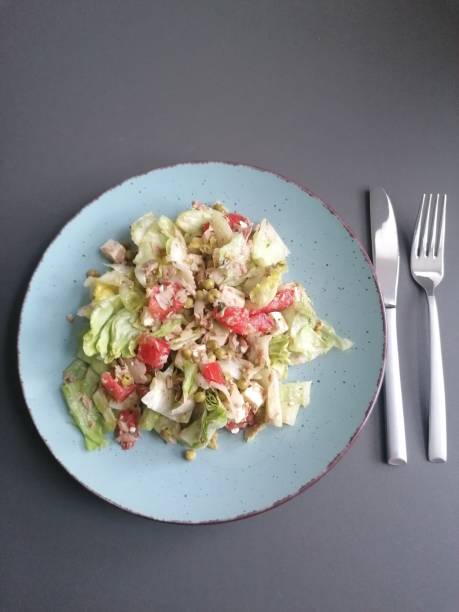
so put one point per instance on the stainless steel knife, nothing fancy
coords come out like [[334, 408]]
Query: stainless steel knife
[[386, 259]]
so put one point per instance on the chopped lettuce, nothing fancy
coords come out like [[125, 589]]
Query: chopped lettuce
[[221, 227], [153, 421], [279, 354], [293, 395], [147, 235], [160, 398], [310, 336], [266, 289], [234, 249], [167, 227], [133, 298], [273, 399], [77, 390], [169, 327], [268, 248], [187, 337], [189, 385], [191, 221], [96, 364], [75, 371], [113, 331], [103, 406], [199, 433]]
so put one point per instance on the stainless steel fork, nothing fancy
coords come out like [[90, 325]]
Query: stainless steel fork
[[427, 268]]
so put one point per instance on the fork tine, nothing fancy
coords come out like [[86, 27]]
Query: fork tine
[[434, 228], [441, 241], [417, 229], [426, 229]]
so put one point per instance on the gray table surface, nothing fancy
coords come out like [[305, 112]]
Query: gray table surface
[[339, 95]]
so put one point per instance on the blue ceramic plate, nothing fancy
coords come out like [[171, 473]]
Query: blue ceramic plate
[[239, 479]]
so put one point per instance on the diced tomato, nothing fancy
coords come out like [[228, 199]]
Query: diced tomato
[[233, 318], [175, 304], [213, 372], [130, 417], [205, 227], [283, 299], [114, 388], [232, 426], [153, 351], [261, 323], [242, 321], [239, 223], [127, 430]]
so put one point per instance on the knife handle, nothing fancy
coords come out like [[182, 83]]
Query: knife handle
[[395, 423]]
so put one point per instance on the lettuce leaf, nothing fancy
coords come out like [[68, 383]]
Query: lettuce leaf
[[187, 337], [221, 227], [189, 385], [279, 354], [309, 335], [113, 331], [103, 407], [267, 287], [293, 395], [133, 298], [199, 433], [78, 386], [191, 221], [147, 235], [96, 364], [273, 399], [268, 248], [153, 421], [171, 326], [167, 227], [160, 398], [232, 250]]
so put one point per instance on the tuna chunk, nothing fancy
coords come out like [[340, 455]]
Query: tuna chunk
[[114, 251]]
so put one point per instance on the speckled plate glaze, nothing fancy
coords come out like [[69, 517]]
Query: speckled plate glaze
[[239, 479]]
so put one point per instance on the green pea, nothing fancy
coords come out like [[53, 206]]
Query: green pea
[[209, 283], [220, 207], [190, 454], [242, 384], [199, 397]]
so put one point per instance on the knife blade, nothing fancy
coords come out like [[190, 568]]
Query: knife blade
[[386, 259], [386, 256]]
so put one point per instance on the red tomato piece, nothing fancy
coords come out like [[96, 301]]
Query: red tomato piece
[[233, 318], [213, 372], [239, 223], [261, 322], [205, 227], [153, 351], [248, 421], [282, 300], [129, 417], [127, 430], [114, 388], [175, 298]]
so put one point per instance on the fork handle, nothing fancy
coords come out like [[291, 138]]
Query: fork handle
[[437, 411], [395, 423]]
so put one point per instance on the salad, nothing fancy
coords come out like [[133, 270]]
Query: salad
[[191, 331]]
